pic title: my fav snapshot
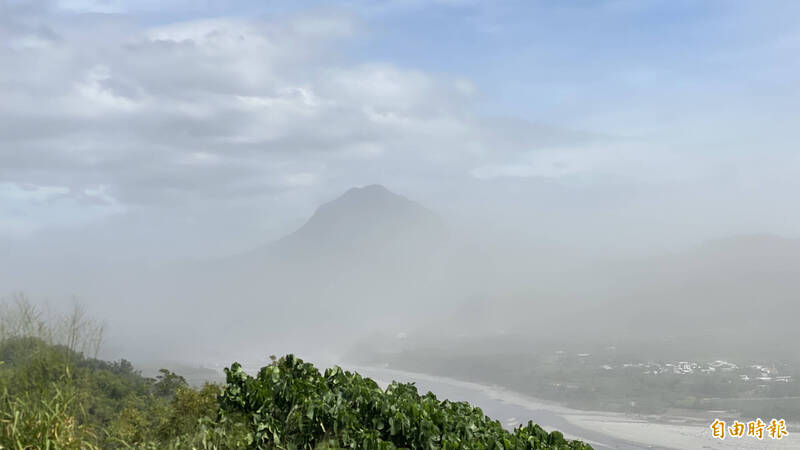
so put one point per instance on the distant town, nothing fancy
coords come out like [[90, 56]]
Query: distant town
[[755, 373]]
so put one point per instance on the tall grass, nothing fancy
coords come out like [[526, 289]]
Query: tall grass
[[34, 421], [40, 407]]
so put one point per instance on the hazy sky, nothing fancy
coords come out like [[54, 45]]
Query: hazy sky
[[166, 129]]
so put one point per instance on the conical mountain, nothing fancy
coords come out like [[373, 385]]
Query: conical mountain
[[365, 219]]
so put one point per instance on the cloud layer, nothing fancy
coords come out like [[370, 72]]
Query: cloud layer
[[214, 110], [135, 112]]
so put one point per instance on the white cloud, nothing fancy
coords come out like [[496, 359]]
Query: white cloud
[[28, 208], [299, 179], [639, 162], [93, 6]]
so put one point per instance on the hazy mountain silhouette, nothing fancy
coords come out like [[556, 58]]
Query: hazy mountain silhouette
[[371, 260], [368, 255], [369, 218], [737, 294]]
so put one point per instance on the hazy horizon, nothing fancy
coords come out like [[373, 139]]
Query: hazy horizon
[[585, 201]]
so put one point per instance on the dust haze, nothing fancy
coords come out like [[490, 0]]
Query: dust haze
[[607, 182], [372, 268]]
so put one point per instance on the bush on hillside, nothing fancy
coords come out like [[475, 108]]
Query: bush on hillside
[[289, 404]]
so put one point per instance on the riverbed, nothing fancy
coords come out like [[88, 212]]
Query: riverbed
[[603, 430]]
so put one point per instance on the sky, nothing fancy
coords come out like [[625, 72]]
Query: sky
[[155, 130]]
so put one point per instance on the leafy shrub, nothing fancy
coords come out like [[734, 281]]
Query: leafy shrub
[[289, 404]]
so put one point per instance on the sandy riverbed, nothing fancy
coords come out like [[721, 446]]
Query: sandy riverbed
[[601, 429]]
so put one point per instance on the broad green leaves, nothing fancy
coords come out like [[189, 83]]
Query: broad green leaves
[[289, 404]]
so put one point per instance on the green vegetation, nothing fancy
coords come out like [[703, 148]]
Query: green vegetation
[[55, 397], [290, 403]]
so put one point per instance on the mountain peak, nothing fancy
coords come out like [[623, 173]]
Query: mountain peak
[[370, 196], [370, 188], [370, 212]]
